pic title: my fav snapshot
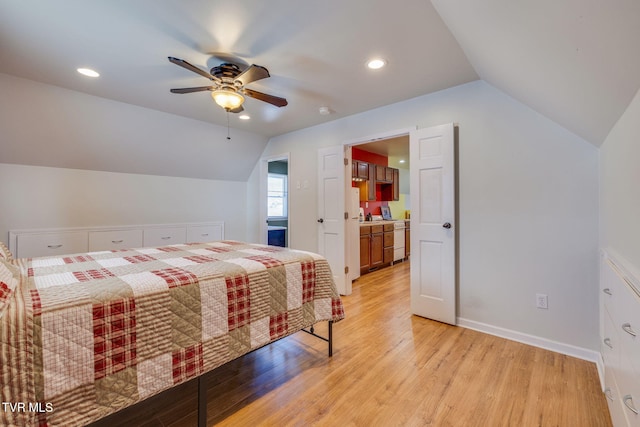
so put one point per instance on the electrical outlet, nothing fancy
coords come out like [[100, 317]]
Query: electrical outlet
[[542, 301]]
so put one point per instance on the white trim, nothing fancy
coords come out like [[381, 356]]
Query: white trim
[[262, 195], [558, 347], [379, 136]]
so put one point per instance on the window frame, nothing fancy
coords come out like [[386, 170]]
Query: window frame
[[285, 195]]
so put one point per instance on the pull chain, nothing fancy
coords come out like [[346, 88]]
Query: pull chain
[[228, 137]]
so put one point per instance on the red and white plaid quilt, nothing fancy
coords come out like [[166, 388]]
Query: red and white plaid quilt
[[86, 335]]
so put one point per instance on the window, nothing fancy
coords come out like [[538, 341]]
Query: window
[[277, 195]]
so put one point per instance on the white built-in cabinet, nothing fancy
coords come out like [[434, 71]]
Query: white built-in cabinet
[[60, 241], [620, 341]]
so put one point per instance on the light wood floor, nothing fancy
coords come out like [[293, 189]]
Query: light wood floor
[[389, 368]]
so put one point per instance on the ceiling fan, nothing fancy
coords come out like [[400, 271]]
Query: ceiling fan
[[228, 88]]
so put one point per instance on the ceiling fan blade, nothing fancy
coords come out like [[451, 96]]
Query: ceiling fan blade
[[192, 89], [274, 100], [237, 110], [251, 74], [190, 67]]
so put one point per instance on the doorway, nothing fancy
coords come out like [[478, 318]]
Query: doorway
[[275, 197], [433, 236]]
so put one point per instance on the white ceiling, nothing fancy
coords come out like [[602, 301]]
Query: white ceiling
[[315, 51], [574, 61]]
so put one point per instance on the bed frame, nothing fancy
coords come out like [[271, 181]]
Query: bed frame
[[202, 386]]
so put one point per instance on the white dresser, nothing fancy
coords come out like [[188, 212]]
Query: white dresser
[[59, 241], [620, 340]]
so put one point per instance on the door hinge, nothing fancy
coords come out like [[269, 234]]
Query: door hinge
[[346, 270], [346, 215], [346, 161]]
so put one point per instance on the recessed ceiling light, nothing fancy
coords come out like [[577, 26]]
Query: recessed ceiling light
[[88, 72], [244, 117], [376, 63], [401, 161]]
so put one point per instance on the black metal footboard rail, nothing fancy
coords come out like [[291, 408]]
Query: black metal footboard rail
[[202, 384]]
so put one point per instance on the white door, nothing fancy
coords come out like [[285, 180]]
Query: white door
[[331, 220], [433, 227]]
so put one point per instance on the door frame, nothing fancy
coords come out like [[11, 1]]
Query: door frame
[[347, 182], [264, 175]]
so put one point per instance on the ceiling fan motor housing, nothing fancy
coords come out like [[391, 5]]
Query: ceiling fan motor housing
[[225, 70]]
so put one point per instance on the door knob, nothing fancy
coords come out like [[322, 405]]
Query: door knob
[[446, 225], [321, 220]]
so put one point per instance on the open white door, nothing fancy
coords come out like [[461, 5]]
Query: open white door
[[331, 220], [433, 241]]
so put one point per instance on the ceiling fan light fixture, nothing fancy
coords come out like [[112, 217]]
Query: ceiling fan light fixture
[[227, 98]]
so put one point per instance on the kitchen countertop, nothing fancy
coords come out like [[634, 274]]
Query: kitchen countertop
[[389, 221]]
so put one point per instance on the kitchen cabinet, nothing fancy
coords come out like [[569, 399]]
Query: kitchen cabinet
[[387, 245], [395, 185], [407, 239], [368, 187], [389, 181], [376, 253], [376, 246], [384, 174], [360, 170], [365, 232]]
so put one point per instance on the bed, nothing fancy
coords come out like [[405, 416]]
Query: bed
[[85, 335]]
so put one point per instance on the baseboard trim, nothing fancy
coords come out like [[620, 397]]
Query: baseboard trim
[[558, 347]]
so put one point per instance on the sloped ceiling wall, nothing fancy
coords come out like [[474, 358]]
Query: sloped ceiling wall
[[44, 125], [573, 61]]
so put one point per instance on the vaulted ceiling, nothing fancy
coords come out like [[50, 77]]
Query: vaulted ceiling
[[574, 61]]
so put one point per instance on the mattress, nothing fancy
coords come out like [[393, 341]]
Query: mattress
[[86, 335]]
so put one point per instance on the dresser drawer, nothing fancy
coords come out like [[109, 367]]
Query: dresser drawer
[[204, 233], [611, 291], [50, 244], [109, 240], [629, 390], [610, 343], [614, 400], [165, 236], [628, 323]]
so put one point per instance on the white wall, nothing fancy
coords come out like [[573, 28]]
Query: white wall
[[528, 206], [619, 182], [45, 197], [44, 125]]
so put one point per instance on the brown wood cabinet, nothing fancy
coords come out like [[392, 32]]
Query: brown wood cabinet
[[365, 259], [359, 170], [387, 257], [384, 174], [407, 238], [367, 175], [376, 246], [395, 185]]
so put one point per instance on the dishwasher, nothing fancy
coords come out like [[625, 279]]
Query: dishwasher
[[398, 240]]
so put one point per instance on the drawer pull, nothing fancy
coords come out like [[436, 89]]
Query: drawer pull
[[607, 342], [627, 328], [205, 234], [117, 241], [608, 393], [607, 291], [166, 238], [628, 402], [54, 246]]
